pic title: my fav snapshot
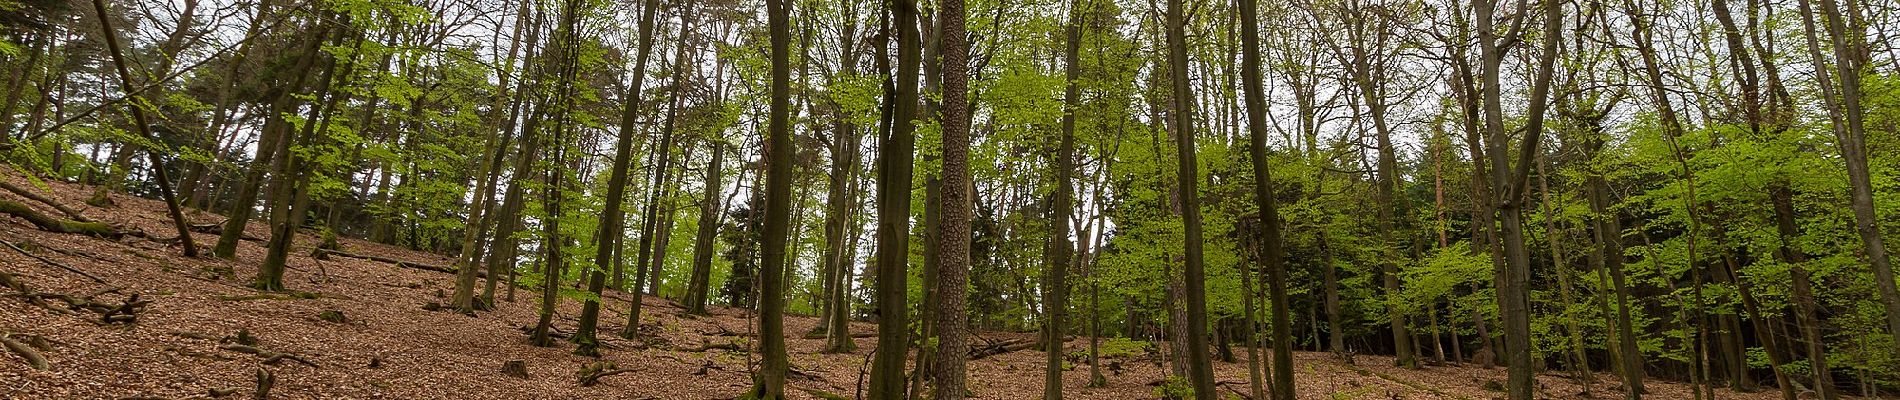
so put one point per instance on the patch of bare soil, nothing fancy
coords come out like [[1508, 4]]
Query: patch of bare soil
[[357, 328]]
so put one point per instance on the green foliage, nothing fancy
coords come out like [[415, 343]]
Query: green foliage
[[1175, 388]]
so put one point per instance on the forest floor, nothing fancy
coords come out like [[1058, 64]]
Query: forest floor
[[387, 346]]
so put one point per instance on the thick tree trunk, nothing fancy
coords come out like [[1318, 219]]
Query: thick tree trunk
[[956, 209], [893, 233]]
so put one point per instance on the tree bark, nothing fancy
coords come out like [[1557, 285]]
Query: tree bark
[[957, 207]]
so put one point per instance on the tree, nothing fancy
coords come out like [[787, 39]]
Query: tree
[[710, 209], [893, 198], [1056, 295], [1511, 180], [611, 219], [566, 59], [1846, 36], [145, 132], [1200, 372], [1272, 259], [841, 200], [953, 227], [778, 207]]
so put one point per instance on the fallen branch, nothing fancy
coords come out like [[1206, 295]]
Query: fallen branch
[[48, 261], [29, 195], [57, 225], [705, 345], [323, 253], [33, 357]]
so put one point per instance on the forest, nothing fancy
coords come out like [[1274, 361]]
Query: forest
[[841, 199]]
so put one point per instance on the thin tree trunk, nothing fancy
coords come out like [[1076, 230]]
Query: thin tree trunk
[[159, 173], [1200, 372], [778, 185], [611, 221]]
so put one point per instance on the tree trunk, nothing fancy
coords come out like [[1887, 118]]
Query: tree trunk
[[1271, 261], [1200, 372], [145, 131], [957, 207], [1514, 282], [611, 212], [893, 233], [1847, 38]]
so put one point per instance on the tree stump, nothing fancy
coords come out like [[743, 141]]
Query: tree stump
[[333, 316], [515, 368]]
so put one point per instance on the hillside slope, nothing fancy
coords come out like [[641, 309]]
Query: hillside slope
[[387, 346]]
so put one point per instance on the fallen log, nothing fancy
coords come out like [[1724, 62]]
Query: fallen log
[[324, 253], [29, 195], [1006, 346], [58, 225]]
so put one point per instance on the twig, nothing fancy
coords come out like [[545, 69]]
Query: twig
[[10, 245]]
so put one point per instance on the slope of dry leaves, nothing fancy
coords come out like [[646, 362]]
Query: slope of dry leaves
[[388, 347]]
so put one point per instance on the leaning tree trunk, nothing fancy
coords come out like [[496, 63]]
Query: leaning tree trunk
[[610, 218], [145, 131]]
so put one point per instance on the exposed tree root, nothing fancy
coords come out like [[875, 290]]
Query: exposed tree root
[[270, 357], [58, 225], [265, 379], [124, 312], [592, 373]]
